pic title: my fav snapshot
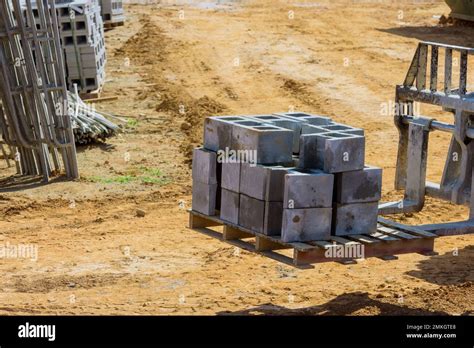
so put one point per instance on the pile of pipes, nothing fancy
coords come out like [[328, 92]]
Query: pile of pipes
[[89, 125], [82, 36], [295, 175], [112, 13], [34, 115]]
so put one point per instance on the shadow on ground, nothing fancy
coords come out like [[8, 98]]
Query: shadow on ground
[[447, 269], [16, 183], [451, 35], [347, 304], [105, 147]]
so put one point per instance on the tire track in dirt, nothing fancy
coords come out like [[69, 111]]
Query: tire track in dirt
[[186, 112]]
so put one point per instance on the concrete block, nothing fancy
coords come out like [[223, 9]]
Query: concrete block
[[308, 189], [251, 213], [219, 172], [263, 182], [356, 218], [273, 218], [359, 186], [204, 198], [73, 65], [305, 225], [74, 71], [218, 132], [253, 181], [342, 128], [230, 202], [293, 125], [311, 129], [84, 59], [335, 152], [275, 183], [218, 197], [231, 176], [309, 152], [306, 118], [204, 166], [273, 145], [91, 83]]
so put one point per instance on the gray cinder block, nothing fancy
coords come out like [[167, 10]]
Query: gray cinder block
[[304, 225], [311, 129], [306, 118], [263, 182], [218, 132], [273, 218], [218, 197], [204, 198], [342, 128], [287, 123], [204, 166], [356, 218], [335, 152], [308, 189], [251, 213], [309, 152], [273, 145], [230, 202], [231, 176], [359, 186]]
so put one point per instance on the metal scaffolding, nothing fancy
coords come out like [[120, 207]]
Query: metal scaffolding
[[34, 112]]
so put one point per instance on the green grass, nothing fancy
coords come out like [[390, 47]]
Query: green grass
[[144, 175], [121, 179], [154, 172], [132, 122], [151, 180]]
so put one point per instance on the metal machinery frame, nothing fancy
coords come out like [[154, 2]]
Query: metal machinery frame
[[456, 182]]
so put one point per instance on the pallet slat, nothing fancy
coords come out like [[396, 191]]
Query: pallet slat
[[303, 246], [363, 239], [343, 241], [383, 237], [395, 233], [386, 243], [323, 244]]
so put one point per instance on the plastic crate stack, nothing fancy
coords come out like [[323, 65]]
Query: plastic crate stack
[[295, 175]]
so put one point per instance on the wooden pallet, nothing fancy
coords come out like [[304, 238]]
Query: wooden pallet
[[391, 239]]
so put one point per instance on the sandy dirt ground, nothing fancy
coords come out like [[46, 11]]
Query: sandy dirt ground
[[173, 65]]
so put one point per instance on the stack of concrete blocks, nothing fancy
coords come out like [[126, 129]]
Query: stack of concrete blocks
[[252, 196], [357, 197], [262, 150], [307, 213], [205, 182], [112, 12], [307, 180], [82, 36], [82, 39], [339, 150]]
